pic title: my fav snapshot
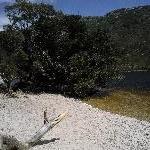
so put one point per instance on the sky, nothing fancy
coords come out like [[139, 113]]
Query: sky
[[82, 7]]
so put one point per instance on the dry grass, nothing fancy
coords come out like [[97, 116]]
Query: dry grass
[[129, 103]]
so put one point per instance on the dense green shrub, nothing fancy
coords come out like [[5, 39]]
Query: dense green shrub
[[55, 51]]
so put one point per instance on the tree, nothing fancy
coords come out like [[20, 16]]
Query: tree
[[23, 16], [94, 66], [23, 13], [13, 58], [58, 51]]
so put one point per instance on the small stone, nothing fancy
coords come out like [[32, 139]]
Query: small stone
[[147, 134]]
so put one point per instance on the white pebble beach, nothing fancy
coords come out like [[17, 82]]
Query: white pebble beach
[[84, 128]]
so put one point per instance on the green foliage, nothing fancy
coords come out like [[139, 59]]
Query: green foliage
[[12, 55], [129, 29], [55, 51], [94, 66], [24, 13]]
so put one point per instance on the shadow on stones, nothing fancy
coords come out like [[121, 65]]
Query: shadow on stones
[[43, 142]]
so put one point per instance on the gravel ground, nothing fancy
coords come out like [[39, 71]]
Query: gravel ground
[[85, 128]]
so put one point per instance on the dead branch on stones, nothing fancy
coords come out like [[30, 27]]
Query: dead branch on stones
[[11, 143], [45, 117]]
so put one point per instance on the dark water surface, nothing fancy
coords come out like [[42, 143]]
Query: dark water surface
[[133, 80]]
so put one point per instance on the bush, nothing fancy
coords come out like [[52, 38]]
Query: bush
[[57, 52]]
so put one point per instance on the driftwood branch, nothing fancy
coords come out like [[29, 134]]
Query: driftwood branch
[[45, 128], [11, 143]]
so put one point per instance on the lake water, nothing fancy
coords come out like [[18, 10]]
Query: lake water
[[133, 80]]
